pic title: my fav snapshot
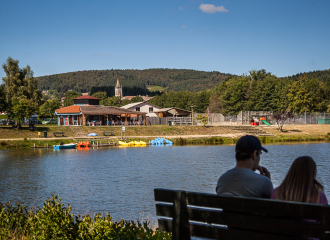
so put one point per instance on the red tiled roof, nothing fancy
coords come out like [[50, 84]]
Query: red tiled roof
[[70, 109], [86, 97]]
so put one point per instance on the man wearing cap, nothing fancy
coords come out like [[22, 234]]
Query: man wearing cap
[[242, 180]]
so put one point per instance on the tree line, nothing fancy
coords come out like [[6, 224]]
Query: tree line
[[262, 91], [258, 91], [171, 79]]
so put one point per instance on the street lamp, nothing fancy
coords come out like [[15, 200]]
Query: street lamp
[[305, 108], [192, 115]]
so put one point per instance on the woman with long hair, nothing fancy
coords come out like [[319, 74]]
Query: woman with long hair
[[300, 184]]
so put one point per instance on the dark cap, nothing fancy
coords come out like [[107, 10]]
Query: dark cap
[[249, 144]]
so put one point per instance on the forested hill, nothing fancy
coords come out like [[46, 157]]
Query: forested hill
[[322, 76], [171, 79]]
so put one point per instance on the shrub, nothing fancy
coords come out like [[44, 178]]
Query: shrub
[[54, 221]]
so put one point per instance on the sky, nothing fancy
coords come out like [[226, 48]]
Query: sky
[[284, 37]]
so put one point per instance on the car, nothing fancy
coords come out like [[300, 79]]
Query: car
[[6, 122], [31, 121], [49, 121]]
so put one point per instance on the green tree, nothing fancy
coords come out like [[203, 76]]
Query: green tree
[[48, 108], [22, 107], [124, 102], [53, 94], [3, 102], [137, 98], [112, 101], [20, 85], [69, 96], [309, 93], [261, 94], [234, 95], [102, 96]]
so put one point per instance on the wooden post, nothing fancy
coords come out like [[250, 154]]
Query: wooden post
[[47, 145], [125, 119], [34, 145], [180, 226]]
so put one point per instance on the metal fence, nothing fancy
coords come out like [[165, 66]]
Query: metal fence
[[181, 121], [230, 118], [310, 118], [157, 120]]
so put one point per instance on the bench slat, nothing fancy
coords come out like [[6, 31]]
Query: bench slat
[[199, 230], [262, 217], [108, 133], [58, 133], [250, 205], [260, 206], [264, 224], [256, 223], [214, 232]]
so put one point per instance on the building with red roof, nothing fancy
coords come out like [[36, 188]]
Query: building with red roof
[[87, 111]]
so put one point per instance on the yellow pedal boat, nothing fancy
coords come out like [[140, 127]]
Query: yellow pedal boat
[[125, 143], [141, 143]]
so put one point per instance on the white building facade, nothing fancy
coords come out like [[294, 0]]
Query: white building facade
[[144, 107]]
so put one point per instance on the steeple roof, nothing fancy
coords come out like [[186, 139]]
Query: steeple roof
[[118, 84]]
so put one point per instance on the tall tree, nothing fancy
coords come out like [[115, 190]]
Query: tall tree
[[309, 93], [69, 96], [102, 96], [20, 89], [3, 102], [48, 108], [234, 95], [261, 96]]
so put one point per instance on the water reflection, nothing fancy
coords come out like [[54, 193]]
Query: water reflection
[[121, 180]]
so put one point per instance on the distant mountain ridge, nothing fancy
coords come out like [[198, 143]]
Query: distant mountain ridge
[[322, 75], [171, 79]]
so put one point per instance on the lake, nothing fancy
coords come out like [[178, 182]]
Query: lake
[[121, 180]]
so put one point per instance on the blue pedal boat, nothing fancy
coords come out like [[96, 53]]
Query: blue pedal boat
[[65, 146]]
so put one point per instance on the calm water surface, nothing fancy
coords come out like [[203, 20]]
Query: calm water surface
[[121, 180]]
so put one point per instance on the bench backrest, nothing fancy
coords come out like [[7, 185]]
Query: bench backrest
[[188, 214]]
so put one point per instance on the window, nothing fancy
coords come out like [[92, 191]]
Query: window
[[137, 109], [151, 109]]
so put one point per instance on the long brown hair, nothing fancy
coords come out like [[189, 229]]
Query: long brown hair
[[299, 184]]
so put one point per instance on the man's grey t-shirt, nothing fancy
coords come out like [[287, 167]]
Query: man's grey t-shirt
[[245, 183]]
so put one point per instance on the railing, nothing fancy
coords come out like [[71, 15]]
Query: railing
[[180, 120]]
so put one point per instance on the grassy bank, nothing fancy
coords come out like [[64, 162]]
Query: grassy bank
[[180, 135], [16, 144], [6, 132], [264, 140]]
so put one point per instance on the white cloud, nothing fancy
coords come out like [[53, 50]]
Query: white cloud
[[181, 8], [210, 8], [183, 26]]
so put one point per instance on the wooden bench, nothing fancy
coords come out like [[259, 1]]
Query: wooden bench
[[108, 133], [59, 134], [205, 215]]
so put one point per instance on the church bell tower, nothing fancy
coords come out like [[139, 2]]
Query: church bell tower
[[118, 89]]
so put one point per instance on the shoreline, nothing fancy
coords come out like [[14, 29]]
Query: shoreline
[[225, 139], [180, 135]]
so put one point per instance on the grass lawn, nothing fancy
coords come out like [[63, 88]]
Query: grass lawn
[[7, 132], [300, 130], [297, 131]]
